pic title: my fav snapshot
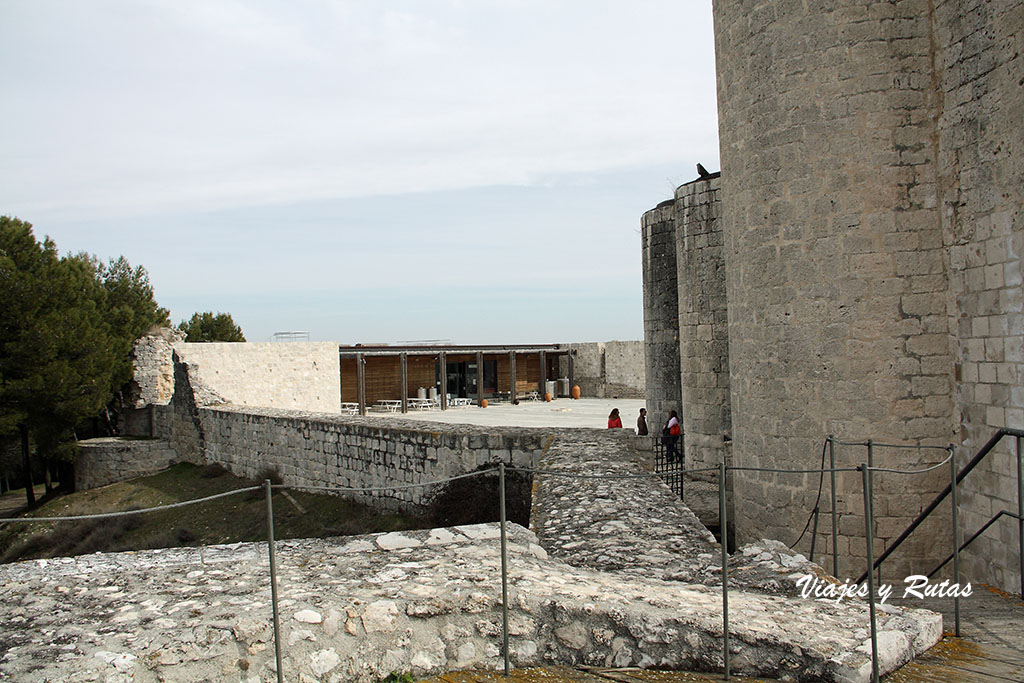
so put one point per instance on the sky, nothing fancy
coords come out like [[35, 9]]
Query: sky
[[366, 172]]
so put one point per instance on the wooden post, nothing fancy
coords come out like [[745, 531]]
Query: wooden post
[[361, 382], [404, 361], [479, 377], [444, 380], [512, 375], [543, 373]]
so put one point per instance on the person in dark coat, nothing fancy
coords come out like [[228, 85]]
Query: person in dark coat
[[641, 423]]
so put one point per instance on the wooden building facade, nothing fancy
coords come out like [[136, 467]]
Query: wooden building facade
[[397, 373]]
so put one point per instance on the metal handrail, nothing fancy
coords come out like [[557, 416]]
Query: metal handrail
[[979, 532], [985, 450]]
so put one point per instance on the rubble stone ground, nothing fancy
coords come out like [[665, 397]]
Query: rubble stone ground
[[618, 574]]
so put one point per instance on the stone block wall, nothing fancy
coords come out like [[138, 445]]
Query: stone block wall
[[290, 376], [980, 57], [661, 312], [108, 460], [833, 250], [703, 324], [311, 450], [612, 369]]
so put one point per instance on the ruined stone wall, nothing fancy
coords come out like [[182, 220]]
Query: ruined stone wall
[[703, 324], [661, 313], [309, 449], [108, 460], [834, 254], [980, 57], [612, 369], [290, 376]]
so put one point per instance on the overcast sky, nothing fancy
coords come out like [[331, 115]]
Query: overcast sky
[[471, 170]]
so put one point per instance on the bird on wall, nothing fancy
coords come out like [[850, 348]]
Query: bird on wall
[[703, 172]]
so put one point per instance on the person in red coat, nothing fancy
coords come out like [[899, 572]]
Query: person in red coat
[[670, 438], [614, 421]]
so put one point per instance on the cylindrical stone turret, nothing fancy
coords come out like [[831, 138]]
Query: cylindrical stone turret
[[703, 324], [834, 257], [661, 314]]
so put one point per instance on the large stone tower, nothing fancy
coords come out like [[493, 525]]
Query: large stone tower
[[872, 160]]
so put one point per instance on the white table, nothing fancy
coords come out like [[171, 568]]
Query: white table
[[390, 405], [349, 408], [423, 403]]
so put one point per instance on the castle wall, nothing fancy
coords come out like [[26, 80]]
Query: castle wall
[[108, 460], [612, 369], [703, 324], [290, 376], [980, 53], [311, 450], [661, 314], [834, 257]]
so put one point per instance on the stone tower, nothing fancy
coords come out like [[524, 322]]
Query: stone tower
[[872, 160]]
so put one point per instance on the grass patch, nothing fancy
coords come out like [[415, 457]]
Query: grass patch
[[229, 519]]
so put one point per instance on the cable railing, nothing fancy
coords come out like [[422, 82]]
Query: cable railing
[[867, 470]]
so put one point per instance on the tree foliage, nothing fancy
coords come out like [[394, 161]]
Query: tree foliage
[[67, 325], [207, 327]]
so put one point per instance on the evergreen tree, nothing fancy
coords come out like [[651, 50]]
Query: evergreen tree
[[207, 327], [66, 330]]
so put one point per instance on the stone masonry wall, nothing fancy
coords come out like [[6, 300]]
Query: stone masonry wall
[[108, 460], [661, 313], [290, 376], [310, 450], [703, 324], [612, 369], [980, 56], [834, 255]]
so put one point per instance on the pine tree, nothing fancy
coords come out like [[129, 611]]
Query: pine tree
[[66, 330], [207, 327]]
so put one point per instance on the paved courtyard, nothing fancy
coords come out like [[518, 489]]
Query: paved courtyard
[[562, 412]]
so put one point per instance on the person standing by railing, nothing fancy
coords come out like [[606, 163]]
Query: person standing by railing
[[670, 436]]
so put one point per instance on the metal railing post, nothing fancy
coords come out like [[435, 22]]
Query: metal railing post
[[504, 565], [724, 526], [1020, 515], [871, 477], [273, 581], [835, 517], [814, 531], [869, 537], [956, 540]]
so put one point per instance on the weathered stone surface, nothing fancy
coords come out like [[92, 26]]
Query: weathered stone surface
[[637, 591]]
